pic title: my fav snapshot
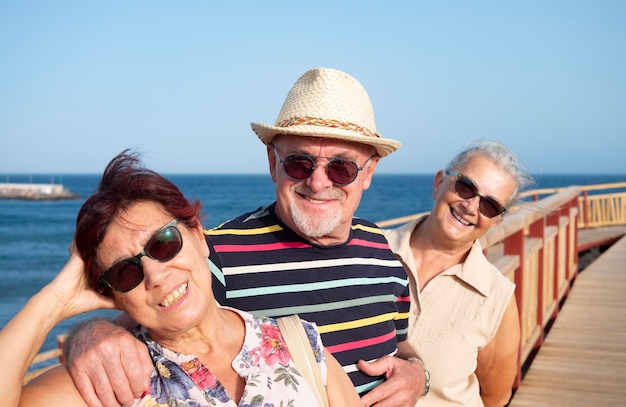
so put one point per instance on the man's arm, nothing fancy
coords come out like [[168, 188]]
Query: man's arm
[[109, 366], [406, 378]]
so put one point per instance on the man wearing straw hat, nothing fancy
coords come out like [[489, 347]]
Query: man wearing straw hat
[[306, 253]]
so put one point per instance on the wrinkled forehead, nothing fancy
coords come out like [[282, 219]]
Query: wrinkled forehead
[[135, 225]]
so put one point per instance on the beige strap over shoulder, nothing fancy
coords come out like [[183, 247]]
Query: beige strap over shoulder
[[300, 349]]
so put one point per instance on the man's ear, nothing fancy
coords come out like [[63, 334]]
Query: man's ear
[[369, 171], [271, 161]]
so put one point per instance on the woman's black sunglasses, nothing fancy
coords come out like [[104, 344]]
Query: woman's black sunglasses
[[163, 246], [340, 171], [466, 189]]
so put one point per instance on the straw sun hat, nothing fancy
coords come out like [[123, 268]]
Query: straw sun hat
[[327, 103]]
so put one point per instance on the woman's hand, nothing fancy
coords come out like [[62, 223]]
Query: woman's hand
[[70, 289]]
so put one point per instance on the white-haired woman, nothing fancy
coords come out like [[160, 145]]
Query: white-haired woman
[[464, 318]]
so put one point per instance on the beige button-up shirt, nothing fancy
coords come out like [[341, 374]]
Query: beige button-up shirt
[[452, 318]]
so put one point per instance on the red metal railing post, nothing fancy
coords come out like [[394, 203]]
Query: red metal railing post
[[61, 345], [571, 246], [586, 208], [537, 230], [514, 245], [553, 220]]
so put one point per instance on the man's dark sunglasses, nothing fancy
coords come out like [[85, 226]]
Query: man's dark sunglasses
[[466, 189], [340, 171], [163, 246]]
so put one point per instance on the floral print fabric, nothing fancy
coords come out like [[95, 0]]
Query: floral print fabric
[[264, 362]]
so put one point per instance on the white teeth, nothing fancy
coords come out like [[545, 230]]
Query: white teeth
[[315, 201], [457, 217], [175, 296]]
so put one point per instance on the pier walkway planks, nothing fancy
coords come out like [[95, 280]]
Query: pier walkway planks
[[600, 236], [582, 361]]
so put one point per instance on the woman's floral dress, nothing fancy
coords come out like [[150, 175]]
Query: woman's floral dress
[[264, 362]]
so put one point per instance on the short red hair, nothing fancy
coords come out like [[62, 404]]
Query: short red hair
[[126, 181]]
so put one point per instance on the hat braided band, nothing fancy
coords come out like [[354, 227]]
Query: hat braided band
[[318, 121]]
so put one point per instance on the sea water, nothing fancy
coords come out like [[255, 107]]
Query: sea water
[[35, 235]]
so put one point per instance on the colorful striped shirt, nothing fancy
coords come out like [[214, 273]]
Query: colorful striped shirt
[[357, 292]]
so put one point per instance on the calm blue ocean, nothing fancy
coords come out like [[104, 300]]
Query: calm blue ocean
[[34, 235]]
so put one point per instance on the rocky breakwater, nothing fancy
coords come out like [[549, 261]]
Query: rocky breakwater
[[37, 192]]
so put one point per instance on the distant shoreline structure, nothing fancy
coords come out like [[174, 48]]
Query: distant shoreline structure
[[35, 192]]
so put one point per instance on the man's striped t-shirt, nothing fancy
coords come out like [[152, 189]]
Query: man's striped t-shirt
[[357, 292]]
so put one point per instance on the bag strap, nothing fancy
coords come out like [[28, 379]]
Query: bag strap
[[300, 349]]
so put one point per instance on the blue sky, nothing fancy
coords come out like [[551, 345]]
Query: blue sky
[[181, 81]]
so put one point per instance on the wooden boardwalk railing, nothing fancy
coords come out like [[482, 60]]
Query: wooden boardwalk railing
[[595, 210], [537, 247], [583, 359]]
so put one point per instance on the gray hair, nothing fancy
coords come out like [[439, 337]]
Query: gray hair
[[502, 157]]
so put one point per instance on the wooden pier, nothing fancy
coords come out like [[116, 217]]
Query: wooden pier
[[582, 361]]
